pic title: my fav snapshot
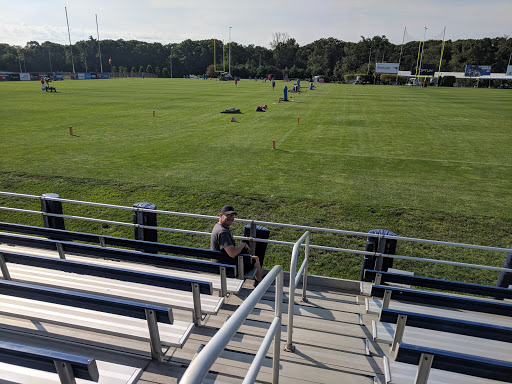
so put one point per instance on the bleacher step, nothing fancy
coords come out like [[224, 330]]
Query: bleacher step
[[446, 341], [375, 306], [402, 373], [233, 285], [109, 374], [113, 288], [173, 335]]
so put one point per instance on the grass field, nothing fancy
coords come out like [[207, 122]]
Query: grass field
[[432, 163]]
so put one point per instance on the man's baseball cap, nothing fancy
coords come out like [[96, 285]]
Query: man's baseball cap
[[228, 210]]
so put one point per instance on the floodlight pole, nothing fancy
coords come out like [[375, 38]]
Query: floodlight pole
[[170, 60], [400, 58], [369, 58], [510, 57], [99, 48], [422, 48], [229, 52], [50, 57], [70, 46]]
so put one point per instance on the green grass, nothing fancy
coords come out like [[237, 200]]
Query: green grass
[[432, 163]]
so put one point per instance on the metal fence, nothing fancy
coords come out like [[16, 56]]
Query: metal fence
[[254, 223]]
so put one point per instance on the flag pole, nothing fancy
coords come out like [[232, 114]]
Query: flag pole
[[70, 46], [400, 58], [99, 47]]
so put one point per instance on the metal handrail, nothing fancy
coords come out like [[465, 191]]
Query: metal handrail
[[294, 281], [256, 222], [199, 367]]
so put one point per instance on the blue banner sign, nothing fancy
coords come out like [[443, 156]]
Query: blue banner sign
[[477, 70]]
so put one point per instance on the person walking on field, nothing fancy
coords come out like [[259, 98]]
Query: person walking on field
[[236, 81], [222, 240]]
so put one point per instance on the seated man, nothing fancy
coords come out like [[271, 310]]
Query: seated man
[[222, 240]]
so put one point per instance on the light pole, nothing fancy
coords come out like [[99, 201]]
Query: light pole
[[229, 52], [170, 60], [99, 48], [50, 57], [369, 58], [422, 48]]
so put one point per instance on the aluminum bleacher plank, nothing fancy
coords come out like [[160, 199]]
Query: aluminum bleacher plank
[[110, 373], [233, 285], [402, 373], [447, 341], [113, 288], [173, 335], [375, 306]]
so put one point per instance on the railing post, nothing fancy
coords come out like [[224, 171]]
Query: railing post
[[381, 248], [60, 249], [65, 372], [154, 336], [52, 206], [291, 307], [424, 368], [196, 297], [378, 278], [252, 243], [240, 267], [277, 337], [223, 282], [305, 276], [399, 331], [3, 268], [145, 219], [386, 299]]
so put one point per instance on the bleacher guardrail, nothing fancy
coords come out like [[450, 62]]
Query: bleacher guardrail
[[201, 364], [264, 223], [295, 278]]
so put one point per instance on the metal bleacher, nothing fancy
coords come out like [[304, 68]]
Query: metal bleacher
[[126, 305]]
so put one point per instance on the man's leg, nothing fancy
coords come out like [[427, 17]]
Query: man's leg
[[259, 271]]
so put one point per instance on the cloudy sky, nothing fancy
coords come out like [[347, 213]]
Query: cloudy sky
[[251, 22]]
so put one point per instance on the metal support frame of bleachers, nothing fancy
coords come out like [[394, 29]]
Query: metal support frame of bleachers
[[382, 278], [153, 314], [197, 287], [68, 366], [440, 300], [427, 358]]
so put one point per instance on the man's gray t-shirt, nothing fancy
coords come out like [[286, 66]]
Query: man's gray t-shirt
[[221, 238]]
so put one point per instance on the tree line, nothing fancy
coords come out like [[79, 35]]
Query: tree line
[[329, 57]]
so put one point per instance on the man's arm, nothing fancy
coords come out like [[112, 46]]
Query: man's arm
[[233, 251]]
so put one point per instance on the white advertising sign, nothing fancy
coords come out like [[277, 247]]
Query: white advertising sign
[[388, 68], [509, 70], [24, 76]]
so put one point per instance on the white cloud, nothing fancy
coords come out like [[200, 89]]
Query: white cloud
[[252, 22]]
